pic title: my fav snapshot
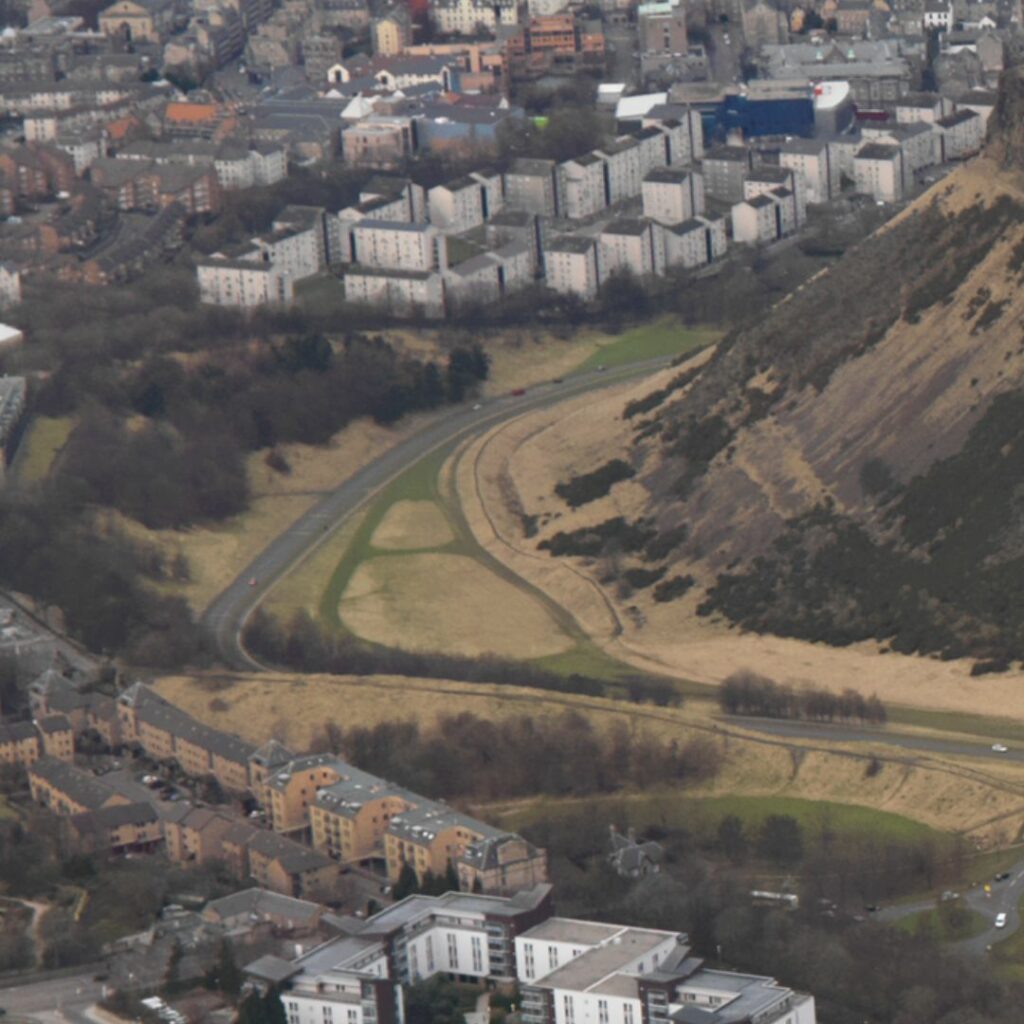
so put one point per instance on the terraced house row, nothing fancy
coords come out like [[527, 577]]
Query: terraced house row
[[348, 815]]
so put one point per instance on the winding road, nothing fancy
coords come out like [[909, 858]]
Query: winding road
[[226, 615], [1003, 898]]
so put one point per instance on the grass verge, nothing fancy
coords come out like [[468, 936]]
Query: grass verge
[[42, 443], [954, 926], [664, 337]]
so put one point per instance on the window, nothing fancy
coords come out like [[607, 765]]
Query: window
[[478, 955], [627, 1013], [552, 957], [528, 965], [430, 956], [414, 963], [570, 1009], [602, 1011], [453, 952], [328, 1014], [353, 1016]]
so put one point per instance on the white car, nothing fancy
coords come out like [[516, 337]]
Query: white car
[[1000, 920], [999, 748]]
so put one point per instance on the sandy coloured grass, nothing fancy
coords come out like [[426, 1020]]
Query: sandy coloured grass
[[514, 468], [408, 525], [450, 603], [951, 795], [218, 553]]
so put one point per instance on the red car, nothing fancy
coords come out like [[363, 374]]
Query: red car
[[518, 392]]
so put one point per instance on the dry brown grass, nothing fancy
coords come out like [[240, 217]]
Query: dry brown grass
[[956, 795], [408, 525], [450, 603]]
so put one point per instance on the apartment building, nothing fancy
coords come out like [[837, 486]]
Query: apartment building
[[395, 245], [817, 175], [725, 168], [531, 185], [695, 242], [682, 129], [19, 743], [53, 694], [116, 830], [960, 134], [661, 27], [572, 265], [56, 737], [568, 970], [358, 977], [402, 291], [382, 186], [631, 244], [138, 21], [582, 186], [879, 171], [65, 789], [288, 793], [672, 194], [765, 178], [926, 107], [469, 17], [573, 970], [166, 733], [10, 285], [765, 218], [550, 43], [392, 33], [466, 202], [242, 283], [623, 169]]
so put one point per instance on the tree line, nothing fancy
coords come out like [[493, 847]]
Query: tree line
[[468, 757], [302, 645], [746, 693]]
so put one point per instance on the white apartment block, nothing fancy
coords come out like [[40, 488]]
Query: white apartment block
[[402, 291], [297, 244], [467, 17], [571, 266], [765, 217], [682, 129], [531, 185], [393, 245], [457, 206], [921, 142], [815, 171], [762, 180], [622, 169], [633, 244], [238, 168], [466, 203], [582, 186], [10, 285], [981, 101], [84, 148], [878, 171], [473, 281], [842, 151], [695, 242], [581, 972], [652, 149], [960, 134], [242, 283], [926, 107], [569, 971], [400, 189], [938, 14], [673, 194]]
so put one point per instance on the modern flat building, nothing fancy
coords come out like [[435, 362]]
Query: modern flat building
[[816, 173], [765, 218], [402, 291], [631, 244], [568, 970], [725, 168], [960, 134], [661, 27], [764, 178], [466, 202], [224, 281], [531, 185], [394, 245], [673, 194], [695, 242], [572, 265], [582, 186], [879, 172]]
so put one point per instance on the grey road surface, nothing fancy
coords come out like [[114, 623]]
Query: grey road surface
[[54, 998], [226, 615], [850, 734], [1002, 899]]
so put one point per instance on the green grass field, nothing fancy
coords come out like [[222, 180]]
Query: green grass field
[[985, 726], [1008, 955], [43, 440], [964, 926], [663, 337], [700, 816]]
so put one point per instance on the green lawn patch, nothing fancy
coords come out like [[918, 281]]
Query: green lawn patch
[[1008, 955], [700, 816], [460, 250], [664, 337], [951, 923], [42, 443], [989, 727]]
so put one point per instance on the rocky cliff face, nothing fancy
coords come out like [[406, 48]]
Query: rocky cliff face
[[1006, 125]]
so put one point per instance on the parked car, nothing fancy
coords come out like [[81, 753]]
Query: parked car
[[1002, 876], [1000, 920], [949, 895], [999, 748]]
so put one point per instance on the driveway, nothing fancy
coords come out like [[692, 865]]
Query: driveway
[[1002, 899]]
